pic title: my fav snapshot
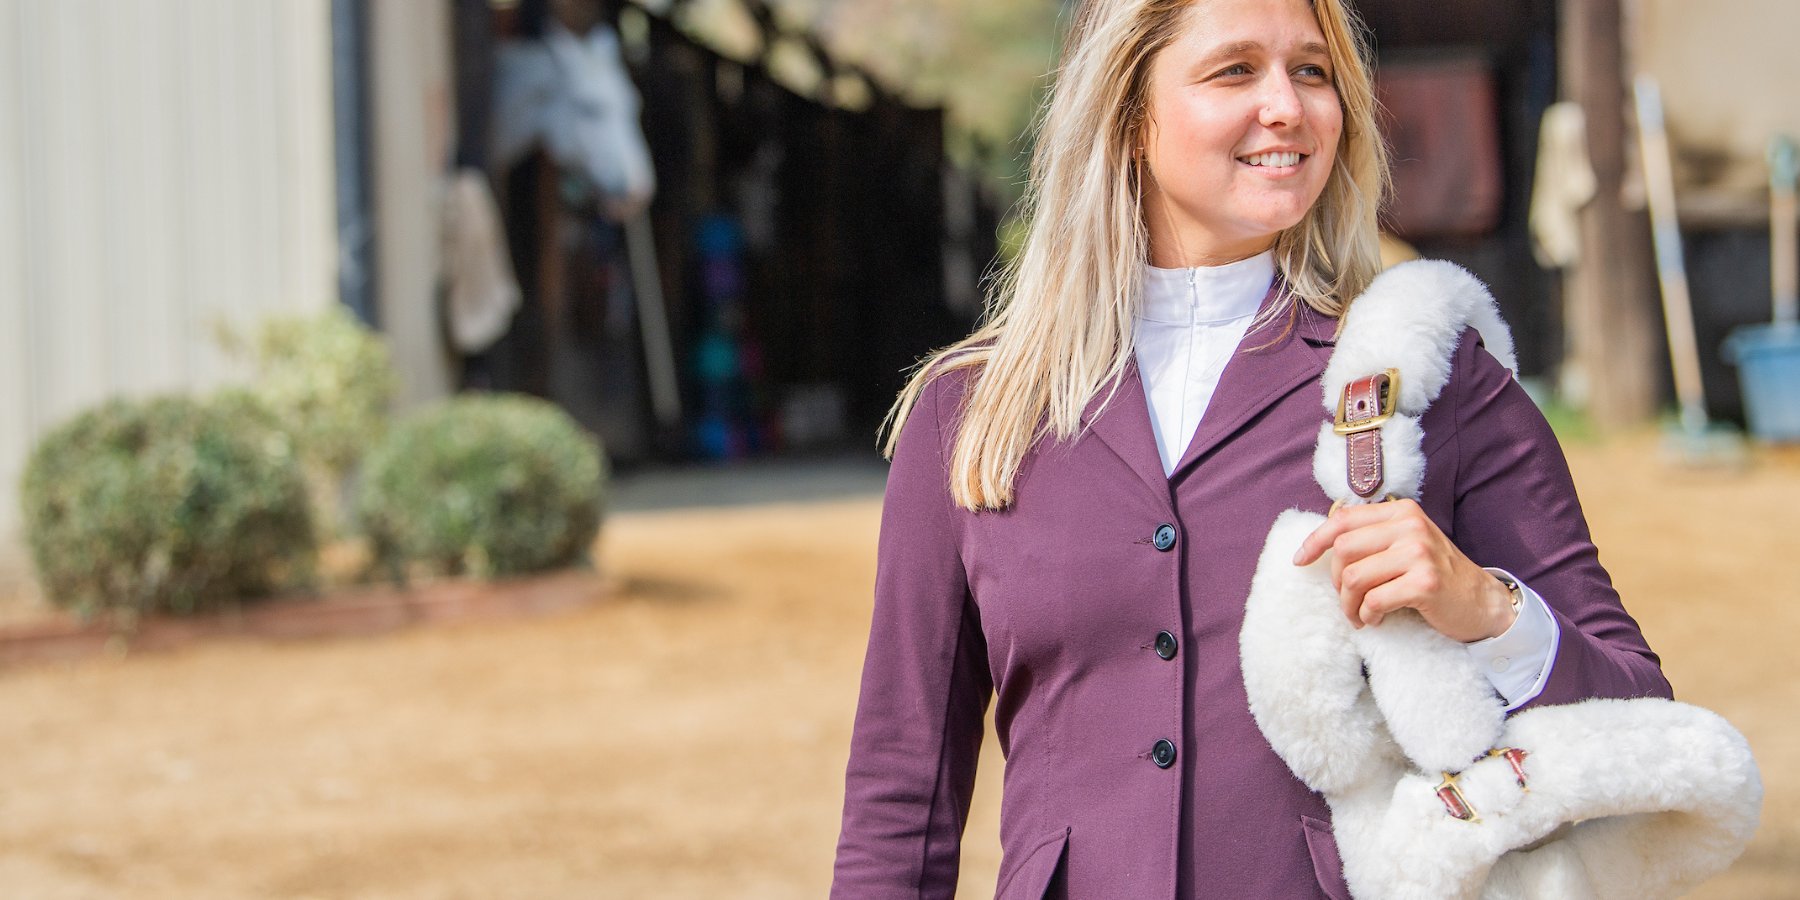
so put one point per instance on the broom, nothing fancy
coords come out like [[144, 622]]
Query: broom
[[1693, 441]]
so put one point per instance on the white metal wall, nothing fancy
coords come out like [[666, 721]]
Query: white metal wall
[[1728, 71], [412, 99], [164, 165]]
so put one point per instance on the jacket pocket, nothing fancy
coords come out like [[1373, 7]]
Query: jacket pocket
[[1328, 867], [1031, 877]]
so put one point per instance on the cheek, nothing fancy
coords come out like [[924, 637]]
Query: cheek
[[1328, 125], [1200, 137], [1329, 120]]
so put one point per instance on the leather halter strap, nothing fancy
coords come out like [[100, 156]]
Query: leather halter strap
[[1367, 403]]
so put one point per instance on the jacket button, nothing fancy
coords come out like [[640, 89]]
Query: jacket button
[[1165, 536], [1163, 754], [1165, 645]]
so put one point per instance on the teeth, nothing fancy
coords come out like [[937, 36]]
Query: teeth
[[1273, 159]]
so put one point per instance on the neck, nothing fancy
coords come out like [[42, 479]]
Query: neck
[[1166, 257]]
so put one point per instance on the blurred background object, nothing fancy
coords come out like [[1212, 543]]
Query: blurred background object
[[1768, 355], [167, 169], [712, 230], [719, 233]]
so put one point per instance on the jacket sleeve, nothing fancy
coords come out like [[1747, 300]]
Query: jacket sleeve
[[925, 685], [1516, 509]]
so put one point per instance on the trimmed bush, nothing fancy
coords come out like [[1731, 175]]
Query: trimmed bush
[[483, 485], [328, 380], [168, 504]]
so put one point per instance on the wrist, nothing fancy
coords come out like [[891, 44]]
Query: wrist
[[1505, 599]]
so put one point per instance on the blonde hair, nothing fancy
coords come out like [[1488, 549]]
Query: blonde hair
[[1059, 316]]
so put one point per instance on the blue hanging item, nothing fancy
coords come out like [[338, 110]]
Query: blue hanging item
[[718, 236], [726, 426]]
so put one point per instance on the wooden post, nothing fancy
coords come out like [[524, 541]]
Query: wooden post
[[1611, 363]]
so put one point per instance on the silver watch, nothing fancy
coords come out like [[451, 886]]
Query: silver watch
[[1513, 588]]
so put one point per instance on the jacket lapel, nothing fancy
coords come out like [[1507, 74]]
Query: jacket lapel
[[1123, 425], [1270, 363]]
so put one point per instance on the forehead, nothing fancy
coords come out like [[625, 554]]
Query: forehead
[[1274, 25]]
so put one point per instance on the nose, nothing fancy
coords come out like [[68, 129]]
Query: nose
[[1280, 102]]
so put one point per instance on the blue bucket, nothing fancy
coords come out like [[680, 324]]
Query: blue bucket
[[1768, 361]]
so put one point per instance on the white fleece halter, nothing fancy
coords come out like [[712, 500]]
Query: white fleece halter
[[1624, 799]]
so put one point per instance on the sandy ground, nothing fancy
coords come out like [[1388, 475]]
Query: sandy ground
[[686, 737]]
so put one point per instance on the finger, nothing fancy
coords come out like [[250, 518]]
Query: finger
[[1385, 582], [1368, 540], [1359, 543], [1384, 599], [1344, 519], [1372, 574], [1317, 542], [1352, 547]]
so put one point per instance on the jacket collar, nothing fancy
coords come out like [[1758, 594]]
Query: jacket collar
[[1272, 361]]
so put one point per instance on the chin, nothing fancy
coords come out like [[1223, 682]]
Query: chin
[[1264, 233], [1274, 224]]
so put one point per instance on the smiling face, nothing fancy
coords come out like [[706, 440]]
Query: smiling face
[[1242, 129]]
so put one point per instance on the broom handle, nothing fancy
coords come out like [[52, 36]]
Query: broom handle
[[653, 320], [1784, 236], [1671, 271]]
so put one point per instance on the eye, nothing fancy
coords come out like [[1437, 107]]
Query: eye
[[1313, 72], [1235, 70]]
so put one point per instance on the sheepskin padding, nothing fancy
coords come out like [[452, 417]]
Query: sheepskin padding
[[1639, 798], [1409, 319], [1623, 799], [1303, 672], [1402, 461], [1438, 706]]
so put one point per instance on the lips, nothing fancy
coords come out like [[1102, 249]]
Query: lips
[[1274, 159]]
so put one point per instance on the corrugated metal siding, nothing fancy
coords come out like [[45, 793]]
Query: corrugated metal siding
[[163, 166]]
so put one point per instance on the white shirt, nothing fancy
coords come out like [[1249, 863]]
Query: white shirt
[[1189, 323]]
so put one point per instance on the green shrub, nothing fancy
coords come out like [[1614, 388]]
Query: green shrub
[[328, 380], [167, 504], [485, 485]]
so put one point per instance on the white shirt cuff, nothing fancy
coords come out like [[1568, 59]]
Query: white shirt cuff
[[1517, 662]]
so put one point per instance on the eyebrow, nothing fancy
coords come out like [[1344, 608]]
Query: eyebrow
[[1310, 48]]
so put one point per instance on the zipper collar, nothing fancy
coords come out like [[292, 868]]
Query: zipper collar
[[1207, 294]]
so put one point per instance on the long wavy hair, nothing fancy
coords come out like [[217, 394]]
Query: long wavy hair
[[1058, 321]]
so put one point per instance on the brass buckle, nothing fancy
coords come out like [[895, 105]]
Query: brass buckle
[[1451, 795], [1515, 758], [1389, 400]]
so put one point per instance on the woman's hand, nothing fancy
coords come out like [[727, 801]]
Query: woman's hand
[[1389, 556]]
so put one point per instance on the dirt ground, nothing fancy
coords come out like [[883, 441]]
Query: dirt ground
[[686, 737]]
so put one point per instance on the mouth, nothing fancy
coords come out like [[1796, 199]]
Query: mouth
[[1273, 160]]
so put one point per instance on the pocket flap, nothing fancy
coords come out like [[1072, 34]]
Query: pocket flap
[[1031, 877], [1327, 866]]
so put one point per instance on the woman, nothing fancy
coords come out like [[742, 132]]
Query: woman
[[1081, 488]]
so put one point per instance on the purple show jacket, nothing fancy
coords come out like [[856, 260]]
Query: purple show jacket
[[1052, 607]]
